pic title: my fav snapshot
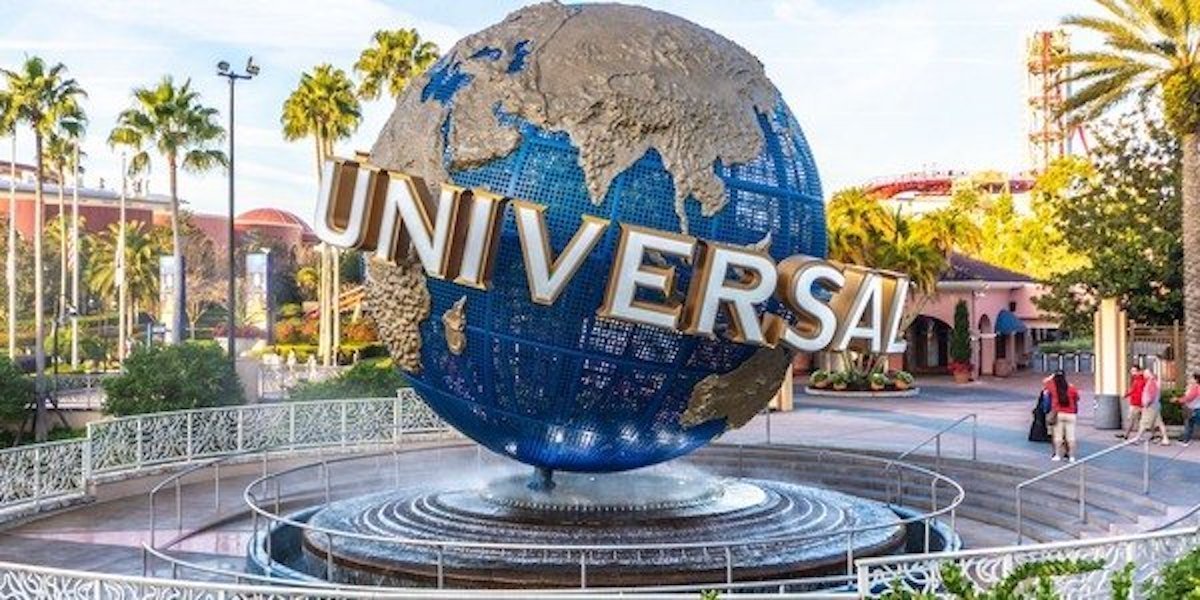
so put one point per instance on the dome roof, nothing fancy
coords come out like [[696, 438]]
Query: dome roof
[[271, 216]]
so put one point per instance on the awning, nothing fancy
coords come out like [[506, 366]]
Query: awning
[[1006, 323]]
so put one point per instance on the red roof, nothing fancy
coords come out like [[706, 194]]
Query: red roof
[[271, 216]]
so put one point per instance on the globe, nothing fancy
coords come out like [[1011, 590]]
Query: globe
[[623, 113]]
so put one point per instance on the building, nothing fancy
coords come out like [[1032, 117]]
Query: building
[[100, 207], [1005, 321], [926, 191]]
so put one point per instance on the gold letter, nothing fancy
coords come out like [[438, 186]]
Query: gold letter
[[815, 321], [413, 218]]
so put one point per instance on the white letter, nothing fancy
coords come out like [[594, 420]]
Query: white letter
[[340, 216], [710, 290], [410, 220], [815, 321], [869, 296], [546, 280], [628, 274], [477, 240], [895, 343]]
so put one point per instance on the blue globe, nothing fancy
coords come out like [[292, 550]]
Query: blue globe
[[556, 386]]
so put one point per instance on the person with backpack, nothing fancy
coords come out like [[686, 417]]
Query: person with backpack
[[1064, 410]]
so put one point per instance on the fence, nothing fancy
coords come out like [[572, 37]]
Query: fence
[[275, 379], [1148, 552], [31, 476]]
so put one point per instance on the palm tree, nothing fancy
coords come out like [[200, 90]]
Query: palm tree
[[8, 127], [857, 224], [324, 107], [948, 229], [43, 99], [171, 120], [1151, 49], [61, 155], [143, 247], [396, 57]]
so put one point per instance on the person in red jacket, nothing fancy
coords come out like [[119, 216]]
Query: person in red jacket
[[1137, 384], [1064, 407]]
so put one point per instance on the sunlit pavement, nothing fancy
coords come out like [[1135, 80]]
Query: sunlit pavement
[[1003, 407]]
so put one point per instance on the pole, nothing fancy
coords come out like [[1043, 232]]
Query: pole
[[122, 301], [232, 301], [75, 261]]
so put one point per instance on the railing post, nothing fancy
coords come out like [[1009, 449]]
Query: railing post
[[342, 404], [441, 570], [217, 486], [974, 437], [396, 402], [37, 478], [938, 446], [728, 565], [582, 570], [1019, 536], [850, 553], [329, 557], [178, 506], [1146, 466], [292, 426], [1082, 493], [190, 451], [241, 419], [138, 443]]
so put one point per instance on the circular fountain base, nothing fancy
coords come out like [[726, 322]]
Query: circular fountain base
[[773, 530]]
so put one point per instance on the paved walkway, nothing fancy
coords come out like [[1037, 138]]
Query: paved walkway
[[107, 536]]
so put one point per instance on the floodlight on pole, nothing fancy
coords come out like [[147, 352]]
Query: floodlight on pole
[[224, 70]]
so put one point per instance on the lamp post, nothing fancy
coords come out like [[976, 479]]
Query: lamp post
[[225, 71]]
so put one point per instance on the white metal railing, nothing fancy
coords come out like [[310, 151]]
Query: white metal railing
[[275, 379], [31, 476], [1149, 552], [1081, 466]]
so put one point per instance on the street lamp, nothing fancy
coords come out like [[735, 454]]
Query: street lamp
[[223, 70]]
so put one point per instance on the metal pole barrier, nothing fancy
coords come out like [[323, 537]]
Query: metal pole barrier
[[938, 444], [768, 425], [329, 557], [728, 565], [441, 570], [1146, 466], [325, 471], [850, 553], [178, 505], [1019, 536], [152, 524], [217, 486], [582, 570], [974, 437], [1082, 493]]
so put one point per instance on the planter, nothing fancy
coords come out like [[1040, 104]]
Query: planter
[[839, 387], [877, 388], [900, 385], [962, 377], [896, 393]]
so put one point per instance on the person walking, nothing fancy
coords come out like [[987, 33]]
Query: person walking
[[1152, 407], [1064, 409], [1137, 382], [1191, 402]]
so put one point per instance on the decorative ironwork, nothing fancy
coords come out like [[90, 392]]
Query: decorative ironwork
[[922, 572], [31, 475]]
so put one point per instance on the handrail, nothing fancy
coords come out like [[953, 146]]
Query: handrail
[[937, 435], [1081, 465]]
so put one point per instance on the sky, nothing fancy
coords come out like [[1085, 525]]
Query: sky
[[880, 87]]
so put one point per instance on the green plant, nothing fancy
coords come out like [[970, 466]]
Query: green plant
[[819, 378], [1179, 580], [367, 379], [183, 376], [960, 336], [904, 377], [878, 380], [1027, 580], [1172, 411], [16, 391], [1122, 582], [839, 380]]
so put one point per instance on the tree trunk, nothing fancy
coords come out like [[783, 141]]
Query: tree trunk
[[39, 298], [177, 292], [1191, 249]]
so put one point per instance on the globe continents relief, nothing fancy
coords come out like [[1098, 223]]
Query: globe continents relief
[[623, 113]]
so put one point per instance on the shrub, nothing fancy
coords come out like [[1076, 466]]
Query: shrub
[[960, 336], [291, 332], [1179, 579], [904, 376], [367, 379], [183, 376], [16, 391], [819, 378], [1172, 412], [359, 332], [291, 310]]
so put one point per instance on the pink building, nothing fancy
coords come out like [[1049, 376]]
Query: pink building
[[1005, 322]]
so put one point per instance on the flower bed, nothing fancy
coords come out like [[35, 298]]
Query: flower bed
[[851, 382]]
